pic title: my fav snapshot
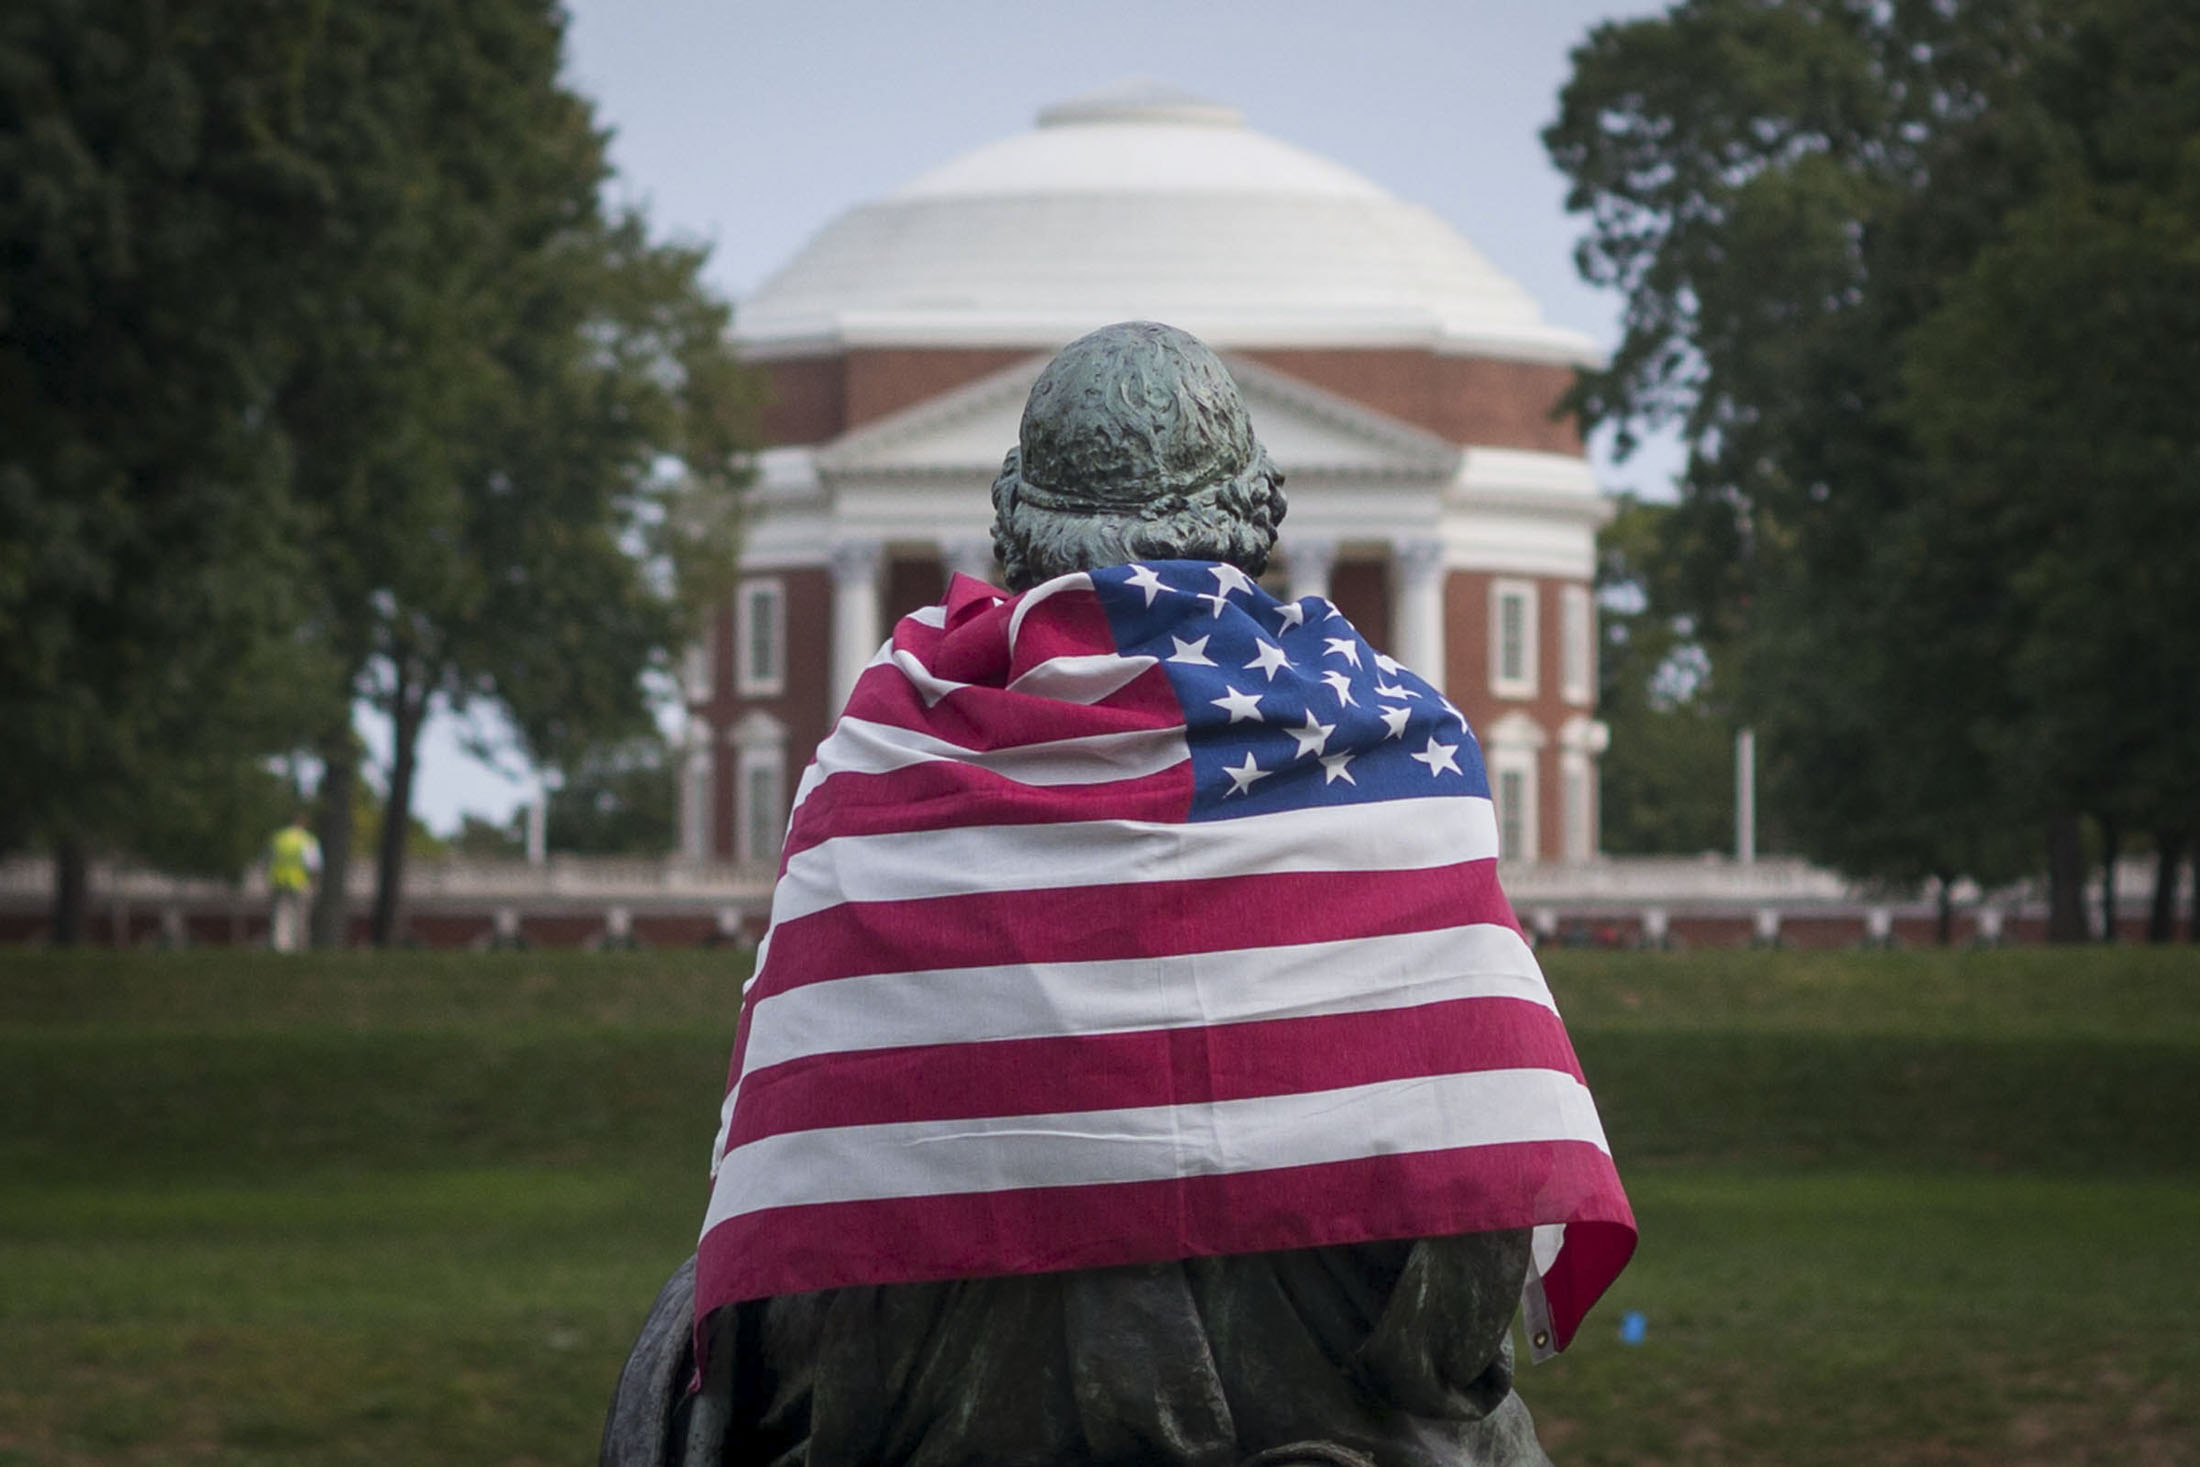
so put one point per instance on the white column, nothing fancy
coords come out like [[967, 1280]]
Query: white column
[[538, 828], [855, 614], [1307, 563], [1417, 610], [969, 555]]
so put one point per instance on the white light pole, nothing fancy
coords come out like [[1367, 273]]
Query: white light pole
[[1745, 796]]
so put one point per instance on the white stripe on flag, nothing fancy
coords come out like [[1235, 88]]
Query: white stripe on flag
[[929, 687], [1188, 990], [1082, 680], [1153, 1143], [1392, 835], [859, 746]]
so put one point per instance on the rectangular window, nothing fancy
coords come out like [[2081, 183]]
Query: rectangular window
[[762, 818], [1512, 639], [695, 833], [1575, 793], [1512, 811], [761, 638], [1578, 652]]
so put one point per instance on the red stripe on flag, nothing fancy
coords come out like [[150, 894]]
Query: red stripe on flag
[[1127, 920], [1067, 624], [996, 718], [1191, 1066], [1046, 1229], [942, 794]]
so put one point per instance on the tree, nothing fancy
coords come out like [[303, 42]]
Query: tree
[[1666, 784], [515, 417], [326, 373], [1787, 193], [148, 607], [2053, 387], [617, 801]]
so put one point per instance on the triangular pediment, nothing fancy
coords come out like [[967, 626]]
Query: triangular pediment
[[1311, 434]]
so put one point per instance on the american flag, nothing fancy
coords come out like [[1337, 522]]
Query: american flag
[[1145, 916]]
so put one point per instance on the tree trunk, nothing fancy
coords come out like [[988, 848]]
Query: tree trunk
[[2169, 863], [71, 890], [2111, 848], [1944, 914], [332, 827], [2065, 881], [2192, 916], [408, 708]]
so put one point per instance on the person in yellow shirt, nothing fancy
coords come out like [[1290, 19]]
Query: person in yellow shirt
[[293, 861]]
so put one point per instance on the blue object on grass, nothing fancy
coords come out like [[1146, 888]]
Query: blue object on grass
[[1632, 1327]]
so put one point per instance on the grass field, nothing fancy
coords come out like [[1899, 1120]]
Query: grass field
[[1903, 1208]]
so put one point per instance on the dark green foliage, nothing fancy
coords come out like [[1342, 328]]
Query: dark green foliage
[[1667, 781], [2053, 389], [485, 840], [1935, 497], [326, 373], [617, 801], [149, 593]]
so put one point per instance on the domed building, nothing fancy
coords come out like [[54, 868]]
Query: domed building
[[1406, 387]]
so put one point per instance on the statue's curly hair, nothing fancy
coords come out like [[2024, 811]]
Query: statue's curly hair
[[1147, 455], [1233, 521]]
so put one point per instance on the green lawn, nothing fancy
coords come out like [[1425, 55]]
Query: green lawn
[[1905, 1207]]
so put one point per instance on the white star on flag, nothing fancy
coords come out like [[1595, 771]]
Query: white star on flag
[[1230, 579], [1333, 769], [1240, 706], [1312, 739], [1291, 614], [1340, 683], [1394, 719], [1149, 580], [1436, 756], [1399, 691], [1267, 656], [1387, 664], [1242, 777], [1344, 647], [1191, 654]]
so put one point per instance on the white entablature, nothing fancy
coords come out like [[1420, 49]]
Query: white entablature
[[1353, 476]]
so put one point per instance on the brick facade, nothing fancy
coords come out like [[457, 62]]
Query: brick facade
[[1477, 400], [1469, 682]]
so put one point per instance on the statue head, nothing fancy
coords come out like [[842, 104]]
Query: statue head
[[1134, 446]]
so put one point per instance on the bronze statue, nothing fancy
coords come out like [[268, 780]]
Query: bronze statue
[[1134, 447]]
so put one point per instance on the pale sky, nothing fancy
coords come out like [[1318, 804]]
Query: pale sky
[[749, 126]]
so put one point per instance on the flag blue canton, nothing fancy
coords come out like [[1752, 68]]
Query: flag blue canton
[[1285, 704]]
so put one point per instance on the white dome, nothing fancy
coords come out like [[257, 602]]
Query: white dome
[[1140, 203]]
